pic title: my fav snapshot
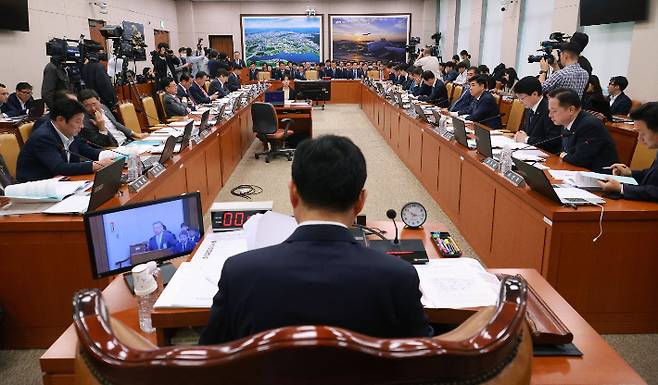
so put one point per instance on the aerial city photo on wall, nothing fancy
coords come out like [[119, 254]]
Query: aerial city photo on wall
[[369, 37], [270, 39]]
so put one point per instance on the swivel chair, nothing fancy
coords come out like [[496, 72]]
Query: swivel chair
[[267, 130]]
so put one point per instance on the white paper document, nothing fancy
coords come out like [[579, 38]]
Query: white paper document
[[215, 249], [187, 289], [41, 191], [271, 228], [457, 283], [74, 204]]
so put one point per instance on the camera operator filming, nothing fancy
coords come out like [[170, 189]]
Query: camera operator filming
[[428, 62], [166, 64], [567, 72]]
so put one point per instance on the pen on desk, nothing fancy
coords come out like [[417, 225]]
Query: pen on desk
[[399, 252]]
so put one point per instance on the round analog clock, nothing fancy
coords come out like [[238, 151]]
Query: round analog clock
[[413, 215]]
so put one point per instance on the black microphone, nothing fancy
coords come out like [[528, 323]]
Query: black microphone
[[92, 144], [491, 117], [391, 214], [79, 156], [563, 135]]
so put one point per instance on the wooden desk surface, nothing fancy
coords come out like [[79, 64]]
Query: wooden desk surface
[[599, 364]]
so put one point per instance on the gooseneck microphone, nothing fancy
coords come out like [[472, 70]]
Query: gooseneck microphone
[[61, 147], [489, 118], [92, 144], [391, 214]]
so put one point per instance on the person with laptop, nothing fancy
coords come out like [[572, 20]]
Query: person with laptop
[[483, 108], [537, 127], [320, 275], [100, 126], [585, 140], [55, 149], [646, 125], [439, 94]]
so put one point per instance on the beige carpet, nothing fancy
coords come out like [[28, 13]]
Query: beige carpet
[[390, 184]]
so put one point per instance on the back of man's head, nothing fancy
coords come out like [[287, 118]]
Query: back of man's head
[[428, 75], [329, 173], [528, 85], [648, 112], [566, 97]]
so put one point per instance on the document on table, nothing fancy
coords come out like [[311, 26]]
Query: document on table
[[271, 228], [187, 289], [215, 249], [24, 208], [563, 175], [456, 284]]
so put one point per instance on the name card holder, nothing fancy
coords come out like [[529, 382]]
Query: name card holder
[[491, 163], [137, 184], [514, 178], [156, 170]]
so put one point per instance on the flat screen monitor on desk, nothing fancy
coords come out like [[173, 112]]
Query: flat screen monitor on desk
[[276, 98], [123, 237], [316, 90]]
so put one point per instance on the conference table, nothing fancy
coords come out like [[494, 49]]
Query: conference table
[[599, 363], [610, 282]]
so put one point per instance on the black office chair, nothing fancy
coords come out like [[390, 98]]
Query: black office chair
[[267, 131]]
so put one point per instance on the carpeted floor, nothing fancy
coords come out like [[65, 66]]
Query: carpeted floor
[[390, 184]]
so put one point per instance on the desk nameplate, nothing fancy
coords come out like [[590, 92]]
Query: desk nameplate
[[138, 184], [156, 170]]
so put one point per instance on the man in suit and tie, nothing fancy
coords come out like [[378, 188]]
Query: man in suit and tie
[[192, 234], [620, 103], [537, 126], [54, 149], [161, 239], [320, 275], [17, 102], [333, 71], [219, 86], [237, 61], [233, 83], [197, 90], [585, 140], [183, 90], [253, 72], [185, 244], [465, 99], [483, 107], [100, 126], [646, 125], [173, 106], [439, 93], [4, 96]]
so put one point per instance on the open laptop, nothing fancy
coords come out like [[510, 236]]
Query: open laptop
[[483, 142], [166, 154], [203, 126], [36, 108], [460, 133], [106, 183], [184, 140], [276, 98], [538, 181]]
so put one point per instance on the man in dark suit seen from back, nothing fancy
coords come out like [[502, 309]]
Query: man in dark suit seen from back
[[537, 125], [54, 149], [585, 140], [320, 275], [620, 103], [646, 125]]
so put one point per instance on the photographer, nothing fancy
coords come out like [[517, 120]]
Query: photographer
[[97, 79], [55, 78], [166, 64], [428, 62], [571, 75]]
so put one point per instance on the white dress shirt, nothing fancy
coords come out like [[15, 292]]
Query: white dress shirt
[[429, 63], [312, 223], [612, 98], [112, 129], [65, 141]]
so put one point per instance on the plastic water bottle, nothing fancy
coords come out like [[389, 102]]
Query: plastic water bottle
[[505, 161], [146, 290], [134, 167]]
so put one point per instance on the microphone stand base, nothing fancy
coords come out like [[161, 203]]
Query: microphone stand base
[[410, 250]]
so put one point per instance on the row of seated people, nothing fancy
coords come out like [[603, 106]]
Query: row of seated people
[[327, 70], [165, 239]]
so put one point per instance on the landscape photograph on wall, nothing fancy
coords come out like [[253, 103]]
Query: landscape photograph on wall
[[287, 38], [369, 38]]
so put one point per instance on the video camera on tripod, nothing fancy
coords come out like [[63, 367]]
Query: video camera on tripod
[[411, 48], [127, 46], [71, 55], [556, 41]]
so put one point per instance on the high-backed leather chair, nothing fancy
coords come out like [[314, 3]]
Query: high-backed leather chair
[[311, 75], [457, 92], [515, 116], [26, 130], [373, 74], [151, 111], [129, 117], [264, 75], [450, 88], [491, 347], [266, 127], [9, 149]]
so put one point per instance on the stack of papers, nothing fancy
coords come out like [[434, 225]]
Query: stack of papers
[[457, 283], [588, 179], [271, 228], [48, 190], [195, 283]]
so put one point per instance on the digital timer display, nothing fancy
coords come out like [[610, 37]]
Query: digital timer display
[[233, 219]]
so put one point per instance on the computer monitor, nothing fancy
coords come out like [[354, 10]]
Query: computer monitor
[[483, 138], [460, 131], [126, 236], [276, 98], [203, 125], [316, 90]]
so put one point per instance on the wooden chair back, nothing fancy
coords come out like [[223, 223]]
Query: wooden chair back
[[26, 130], [373, 74], [207, 85], [450, 88], [161, 99], [491, 347], [457, 92], [151, 111], [311, 75], [516, 114], [635, 104], [129, 117], [10, 149], [264, 75]]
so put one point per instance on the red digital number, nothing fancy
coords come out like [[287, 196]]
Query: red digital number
[[227, 221], [239, 218]]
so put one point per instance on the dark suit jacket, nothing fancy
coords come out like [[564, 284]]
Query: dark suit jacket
[[168, 240], [253, 75], [13, 106], [589, 144], [42, 156], [318, 276], [90, 131], [540, 127], [5, 177], [184, 247], [621, 105], [173, 106], [423, 90], [483, 111], [647, 190], [299, 75], [278, 74], [598, 103], [332, 73], [292, 94], [233, 83], [199, 94], [237, 64], [96, 78], [438, 95], [464, 101], [218, 88]]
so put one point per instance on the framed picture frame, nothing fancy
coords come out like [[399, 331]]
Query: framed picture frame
[[269, 38]]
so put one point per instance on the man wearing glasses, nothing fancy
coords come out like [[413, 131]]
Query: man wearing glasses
[[17, 102]]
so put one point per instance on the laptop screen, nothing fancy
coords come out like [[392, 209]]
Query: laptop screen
[[483, 142], [274, 97], [460, 131]]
